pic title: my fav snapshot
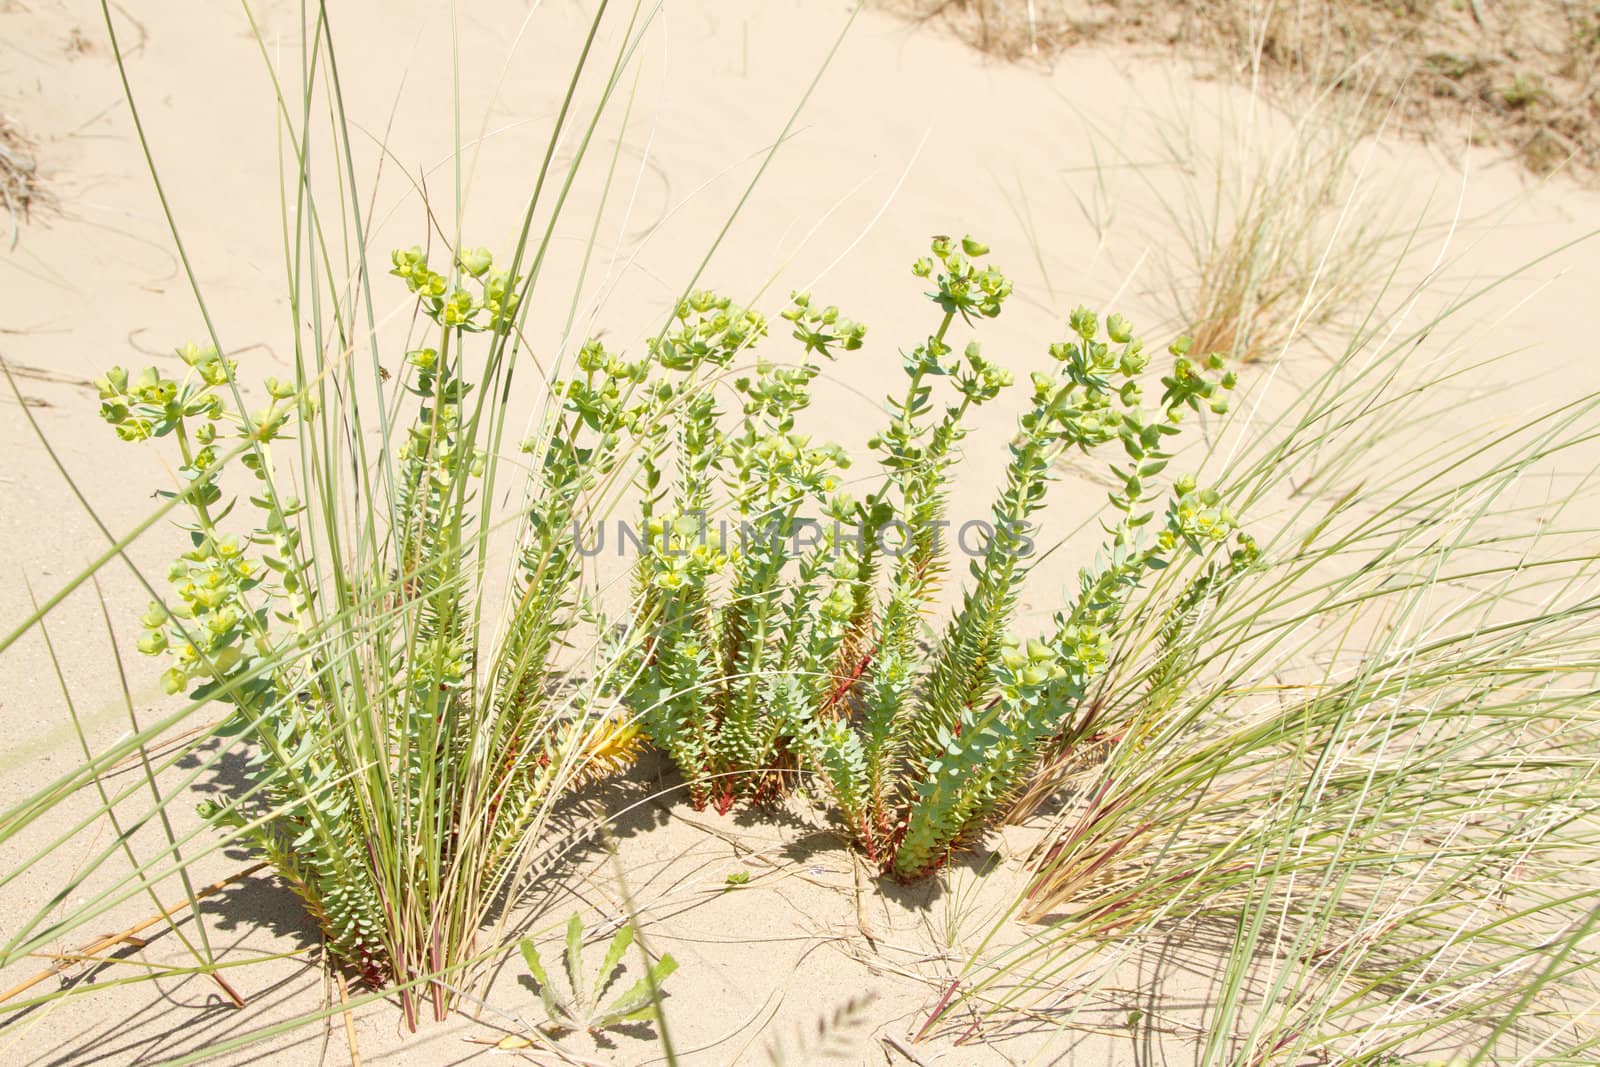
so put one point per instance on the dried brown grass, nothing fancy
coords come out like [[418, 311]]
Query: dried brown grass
[[1520, 74], [20, 191], [1277, 238]]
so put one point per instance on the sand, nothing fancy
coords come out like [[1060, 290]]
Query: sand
[[907, 134]]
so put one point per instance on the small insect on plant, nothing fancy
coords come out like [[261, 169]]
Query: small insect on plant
[[578, 1006]]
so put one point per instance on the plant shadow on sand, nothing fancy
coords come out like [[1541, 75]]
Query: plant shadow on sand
[[264, 899], [257, 914]]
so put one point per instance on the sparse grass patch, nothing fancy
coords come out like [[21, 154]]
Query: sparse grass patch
[[1281, 231], [1522, 72]]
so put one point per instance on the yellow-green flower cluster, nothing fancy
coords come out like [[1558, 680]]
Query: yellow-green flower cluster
[[964, 288], [682, 551], [707, 329], [1026, 664], [1196, 516], [454, 306], [204, 630], [148, 404], [209, 628], [822, 330]]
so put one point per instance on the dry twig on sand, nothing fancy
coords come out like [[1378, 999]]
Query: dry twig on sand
[[91, 953]]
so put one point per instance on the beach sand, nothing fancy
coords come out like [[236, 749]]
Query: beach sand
[[908, 133]]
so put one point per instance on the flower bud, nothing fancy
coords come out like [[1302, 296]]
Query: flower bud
[[113, 383], [1083, 322], [458, 308], [476, 261]]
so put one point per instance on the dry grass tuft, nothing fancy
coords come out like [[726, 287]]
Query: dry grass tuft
[[1524, 73], [1277, 238], [19, 175]]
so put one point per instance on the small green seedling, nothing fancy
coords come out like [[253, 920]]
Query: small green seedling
[[580, 1010]]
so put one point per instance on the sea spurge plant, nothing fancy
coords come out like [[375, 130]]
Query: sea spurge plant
[[945, 736], [714, 671], [815, 657], [402, 760], [216, 622]]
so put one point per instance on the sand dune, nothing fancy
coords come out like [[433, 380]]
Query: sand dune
[[907, 133]]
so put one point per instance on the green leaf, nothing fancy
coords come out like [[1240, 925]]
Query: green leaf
[[613, 961], [574, 958], [552, 1007], [639, 1002]]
